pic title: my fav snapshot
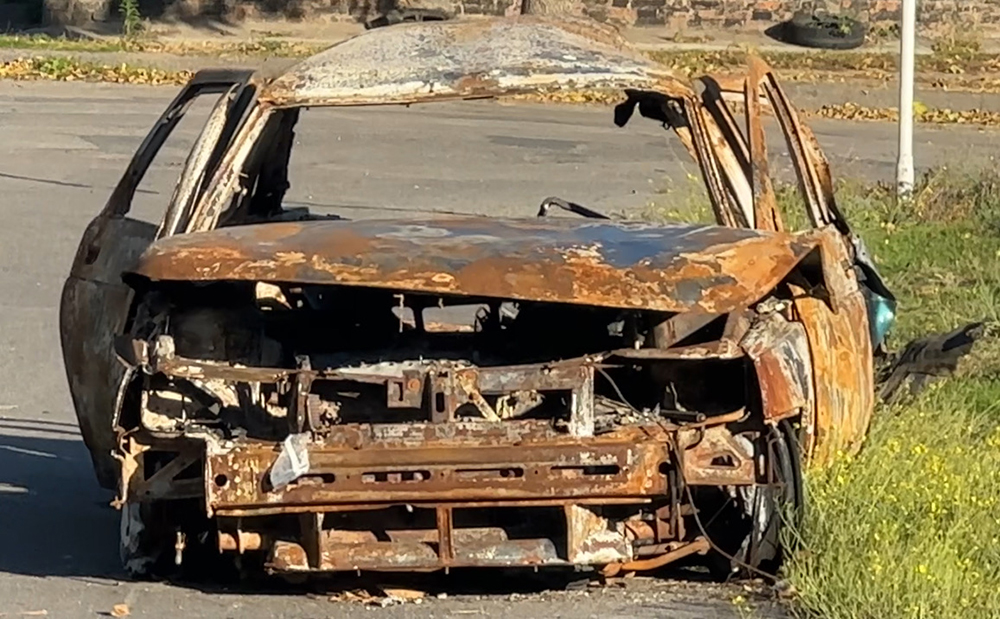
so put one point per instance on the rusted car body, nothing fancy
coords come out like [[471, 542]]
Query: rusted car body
[[620, 395]]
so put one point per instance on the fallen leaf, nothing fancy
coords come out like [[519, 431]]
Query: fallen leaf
[[120, 610], [406, 595], [357, 595]]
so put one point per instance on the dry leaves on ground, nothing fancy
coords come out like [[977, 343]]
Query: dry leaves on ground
[[975, 73], [71, 70], [939, 116], [593, 97], [256, 48], [406, 595], [381, 597]]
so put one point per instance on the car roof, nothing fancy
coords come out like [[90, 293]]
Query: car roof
[[483, 58]]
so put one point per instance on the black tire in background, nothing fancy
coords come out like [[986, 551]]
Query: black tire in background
[[824, 32]]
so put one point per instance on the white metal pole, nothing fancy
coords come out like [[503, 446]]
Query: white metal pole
[[907, 44]]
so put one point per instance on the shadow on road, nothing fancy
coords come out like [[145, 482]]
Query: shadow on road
[[56, 520]]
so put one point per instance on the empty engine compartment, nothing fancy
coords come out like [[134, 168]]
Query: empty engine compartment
[[364, 355]]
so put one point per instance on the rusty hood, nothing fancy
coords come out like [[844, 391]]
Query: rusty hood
[[628, 265]]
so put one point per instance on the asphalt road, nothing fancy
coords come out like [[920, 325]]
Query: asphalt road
[[62, 148]]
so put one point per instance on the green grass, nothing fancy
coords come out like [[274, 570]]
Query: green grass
[[910, 527], [41, 42], [268, 46]]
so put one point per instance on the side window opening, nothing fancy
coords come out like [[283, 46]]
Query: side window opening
[[157, 185]]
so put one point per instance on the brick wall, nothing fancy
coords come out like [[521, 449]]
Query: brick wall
[[983, 15], [753, 14], [762, 13]]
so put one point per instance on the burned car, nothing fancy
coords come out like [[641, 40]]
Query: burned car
[[314, 394]]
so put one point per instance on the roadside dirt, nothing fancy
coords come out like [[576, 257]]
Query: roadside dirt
[[860, 100], [485, 593]]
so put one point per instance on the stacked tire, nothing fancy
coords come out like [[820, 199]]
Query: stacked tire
[[824, 31]]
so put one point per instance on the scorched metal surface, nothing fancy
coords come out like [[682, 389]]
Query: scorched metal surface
[[619, 396], [433, 61], [666, 268]]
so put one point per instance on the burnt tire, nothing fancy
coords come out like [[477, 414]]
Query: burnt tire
[[751, 538], [143, 541], [147, 544], [824, 32], [783, 504]]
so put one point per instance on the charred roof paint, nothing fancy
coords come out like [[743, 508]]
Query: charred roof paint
[[410, 63]]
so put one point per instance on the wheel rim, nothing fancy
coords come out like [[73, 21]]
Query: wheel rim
[[778, 505]]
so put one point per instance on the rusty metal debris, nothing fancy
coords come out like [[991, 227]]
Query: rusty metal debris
[[699, 546], [604, 394]]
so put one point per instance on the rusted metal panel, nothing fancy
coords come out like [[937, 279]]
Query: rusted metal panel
[[162, 484], [240, 541], [842, 359], [722, 349], [273, 510], [591, 539], [412, 63], [712, 456], [699, 546], [442, 463], [780, 353], [161, 357], [416, 555], [667, 268], [586, 539], [673, 330], [764, 201], [292, 557], [138, 483]]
